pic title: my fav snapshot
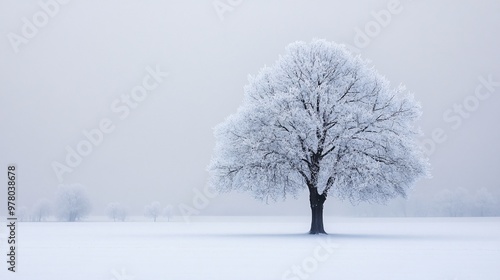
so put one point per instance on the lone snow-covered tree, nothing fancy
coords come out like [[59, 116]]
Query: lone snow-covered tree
[[323, 120]]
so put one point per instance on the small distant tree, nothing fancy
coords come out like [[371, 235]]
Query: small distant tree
[[168, 212], [116, 211], [153, 210], [321, 120], [463, 202], [484, 203], [22, 214], [72, 202], [41, 210], [454, 203]]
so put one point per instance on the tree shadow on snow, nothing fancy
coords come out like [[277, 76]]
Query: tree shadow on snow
[[388, 237], [334, 236]]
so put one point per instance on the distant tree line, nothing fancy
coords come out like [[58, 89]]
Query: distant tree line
[[458, 202], [72, 204], [461, 202]]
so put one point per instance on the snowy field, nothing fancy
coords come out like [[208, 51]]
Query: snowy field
[[260, 248]]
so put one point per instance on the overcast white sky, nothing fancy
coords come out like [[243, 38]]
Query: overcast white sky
[[64, 79]]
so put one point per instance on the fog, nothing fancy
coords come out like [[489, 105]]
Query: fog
[[69, 69]]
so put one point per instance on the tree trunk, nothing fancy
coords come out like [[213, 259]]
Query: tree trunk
[[317, 201]]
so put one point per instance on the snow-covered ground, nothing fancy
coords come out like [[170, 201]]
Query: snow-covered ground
[[259, 248]]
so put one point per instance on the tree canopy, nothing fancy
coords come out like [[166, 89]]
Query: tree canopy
[[322, 119]]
